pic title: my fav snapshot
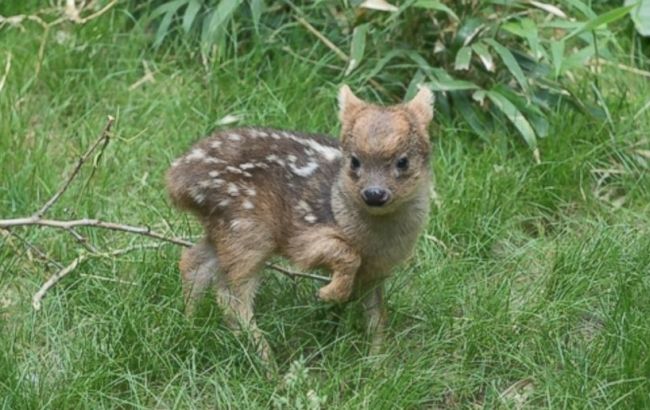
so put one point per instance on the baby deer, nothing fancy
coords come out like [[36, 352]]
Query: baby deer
[[354, 207]]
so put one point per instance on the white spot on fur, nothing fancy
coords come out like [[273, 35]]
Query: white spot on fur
[[251, 191], [224, 203], [216, 144], [247, 165], [196, 154], [259, 134], [303, 206], [247, 204], [205, 183], [175, 163], [233, 170], [197, 194], [233, 190], [241, 224], [213, 160], [234, 137], [276, 159], [216, 183], [310, 218], [291, 158], [248, 174], [305, 171], [275, 136], [330, 153], [213, 174]]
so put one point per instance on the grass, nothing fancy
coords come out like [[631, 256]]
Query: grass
[[529, 289]]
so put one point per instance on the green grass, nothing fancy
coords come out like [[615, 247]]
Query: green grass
[[541, 284]]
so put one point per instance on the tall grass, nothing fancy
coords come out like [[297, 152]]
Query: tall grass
[[527, 290]]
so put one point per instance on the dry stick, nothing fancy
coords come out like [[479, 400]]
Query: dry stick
[[41, 254], [104, 138], [138, 230], [38, 296]]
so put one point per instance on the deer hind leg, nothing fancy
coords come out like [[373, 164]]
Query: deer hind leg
[[235, 287], [199, 267]]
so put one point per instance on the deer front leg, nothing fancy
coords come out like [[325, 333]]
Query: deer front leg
[[376, 317], [325, 248]]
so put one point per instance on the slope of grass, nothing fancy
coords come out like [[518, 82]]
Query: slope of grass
[[530, 286]]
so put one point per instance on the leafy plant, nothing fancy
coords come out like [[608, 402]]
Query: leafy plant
[[492, 62]]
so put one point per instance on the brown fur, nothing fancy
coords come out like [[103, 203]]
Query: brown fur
[[260, 192]]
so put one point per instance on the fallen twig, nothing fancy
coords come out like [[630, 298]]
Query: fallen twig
[[38, 296], [102, 140]]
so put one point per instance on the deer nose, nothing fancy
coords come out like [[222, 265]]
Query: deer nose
[[375, 196]]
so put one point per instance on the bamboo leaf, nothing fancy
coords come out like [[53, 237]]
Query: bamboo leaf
[[219, 16], [257, 8], [641, 16], [169, 10], [193, 7], [435, 5], [357, 47], [514, 116], [602, 19], [474, 118], [463, 58], [557, 55], [511, 63], [381, 5], [484, 55], [441, 81]]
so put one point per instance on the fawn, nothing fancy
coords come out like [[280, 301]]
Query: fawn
[[354, 207]]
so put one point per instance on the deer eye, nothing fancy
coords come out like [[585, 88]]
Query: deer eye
[[403, 164], [354, 163]]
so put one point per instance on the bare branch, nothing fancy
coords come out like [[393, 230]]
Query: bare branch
[[38, 296], [294, 275], [104, 138]]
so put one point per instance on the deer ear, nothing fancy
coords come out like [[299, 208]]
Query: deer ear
[[349, 104], [422, 105]]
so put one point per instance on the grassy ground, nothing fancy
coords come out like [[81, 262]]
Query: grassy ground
[[529, 289]]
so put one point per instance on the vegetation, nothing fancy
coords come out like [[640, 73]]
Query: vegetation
[[528, 289]]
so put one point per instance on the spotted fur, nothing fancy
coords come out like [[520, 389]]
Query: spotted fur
[[261, 192]]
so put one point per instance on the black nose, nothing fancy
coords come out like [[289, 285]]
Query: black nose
[[375, 196]]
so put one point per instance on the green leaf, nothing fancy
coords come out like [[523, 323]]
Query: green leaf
[[602, 19], [169, 10], [219, 17], [533, 113], [484, 55], [582, 7], [435, 5], [412, 89], [357, 47], [530, 31], [463, 57], [192, 10], [510, 63], [257, 8], [515, 116], [557, 55], [474, 118], [641, 16], [441, 81]]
